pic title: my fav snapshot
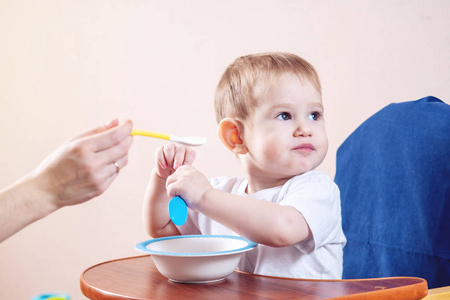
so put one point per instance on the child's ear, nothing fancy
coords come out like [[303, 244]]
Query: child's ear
[[230, 133]]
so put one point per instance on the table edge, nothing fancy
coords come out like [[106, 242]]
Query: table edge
[[420, 286]]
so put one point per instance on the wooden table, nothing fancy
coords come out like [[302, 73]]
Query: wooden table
[[137, 278]]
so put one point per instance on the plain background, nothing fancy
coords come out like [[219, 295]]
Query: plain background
[[67, 66]]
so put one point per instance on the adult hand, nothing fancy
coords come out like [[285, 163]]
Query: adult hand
[[77, 171], [85, 166]]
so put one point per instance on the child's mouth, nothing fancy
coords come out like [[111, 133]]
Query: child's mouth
[[306, 147]]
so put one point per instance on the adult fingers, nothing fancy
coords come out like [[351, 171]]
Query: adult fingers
[[107, 174], [115, 152], [102, 128], [109, 138], [107, 182], [116, 166]]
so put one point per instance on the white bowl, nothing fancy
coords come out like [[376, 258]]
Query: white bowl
[[196, 258]]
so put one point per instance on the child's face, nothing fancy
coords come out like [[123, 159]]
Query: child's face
[[285, 136]]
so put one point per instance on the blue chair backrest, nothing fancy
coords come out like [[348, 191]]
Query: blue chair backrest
[[393, 172]]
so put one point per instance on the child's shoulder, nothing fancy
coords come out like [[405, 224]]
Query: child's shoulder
[[314, 183]]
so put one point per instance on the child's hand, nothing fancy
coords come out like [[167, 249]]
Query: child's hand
[[188, 183], [170, 157]]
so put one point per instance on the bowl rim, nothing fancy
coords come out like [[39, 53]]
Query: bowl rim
[[142, 246]]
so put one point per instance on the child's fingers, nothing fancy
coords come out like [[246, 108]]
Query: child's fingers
[[179, 157], [173, 156], [189, 156], [169, 154], [160, 159], [173, 185], [178, 160], [183, 156]]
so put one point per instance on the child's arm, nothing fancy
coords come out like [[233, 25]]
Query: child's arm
[[156, 217], [260, 221]]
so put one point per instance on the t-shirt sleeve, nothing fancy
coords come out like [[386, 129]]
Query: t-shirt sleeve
[[317, 198]]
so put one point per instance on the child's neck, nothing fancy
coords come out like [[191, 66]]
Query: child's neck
[[256, 184]]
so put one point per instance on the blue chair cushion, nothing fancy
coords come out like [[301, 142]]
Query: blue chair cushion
[[393, 172]]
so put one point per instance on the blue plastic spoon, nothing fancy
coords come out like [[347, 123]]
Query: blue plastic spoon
[[177, 211]]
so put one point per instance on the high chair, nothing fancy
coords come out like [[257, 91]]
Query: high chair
[[393, 172]]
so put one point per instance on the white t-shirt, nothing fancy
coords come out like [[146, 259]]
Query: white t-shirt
[[317, 198]]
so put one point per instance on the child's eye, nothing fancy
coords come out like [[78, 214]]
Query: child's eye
[[315, 116], [284, 116]]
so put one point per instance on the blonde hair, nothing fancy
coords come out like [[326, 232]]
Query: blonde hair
[[250, 76]]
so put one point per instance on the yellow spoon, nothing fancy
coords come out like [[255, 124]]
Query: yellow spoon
[[188, 140]]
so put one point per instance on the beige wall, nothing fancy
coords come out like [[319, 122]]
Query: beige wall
[[66, 66]]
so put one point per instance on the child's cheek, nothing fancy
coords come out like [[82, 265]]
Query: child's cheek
[[271, 153]]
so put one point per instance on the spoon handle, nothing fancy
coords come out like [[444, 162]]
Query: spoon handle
[[157, 135]]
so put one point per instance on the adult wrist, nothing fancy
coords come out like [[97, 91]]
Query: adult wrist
[[42, 193]]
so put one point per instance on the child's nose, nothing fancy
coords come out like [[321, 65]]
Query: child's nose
[[303, 129]]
